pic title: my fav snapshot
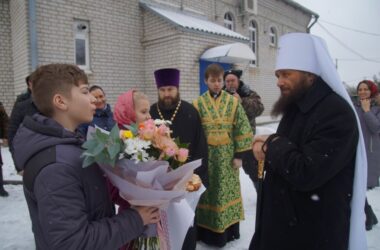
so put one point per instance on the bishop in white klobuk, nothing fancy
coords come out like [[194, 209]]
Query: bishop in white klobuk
[[315, 183]]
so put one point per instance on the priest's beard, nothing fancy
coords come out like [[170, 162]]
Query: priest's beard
[[286, 101], [169, 103]]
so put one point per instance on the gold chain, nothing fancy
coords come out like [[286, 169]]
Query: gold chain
[[174, 114]]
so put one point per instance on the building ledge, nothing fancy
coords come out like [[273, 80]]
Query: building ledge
[[191, 23]]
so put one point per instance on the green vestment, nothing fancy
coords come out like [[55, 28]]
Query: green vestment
[[228, 132]]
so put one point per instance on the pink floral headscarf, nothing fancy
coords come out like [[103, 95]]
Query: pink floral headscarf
[[124, 110]]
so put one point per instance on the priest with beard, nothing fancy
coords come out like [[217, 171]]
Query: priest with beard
[[186, 125], [315, 164]]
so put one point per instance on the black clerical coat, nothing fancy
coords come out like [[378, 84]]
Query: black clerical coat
[[187, 126], [308, 185]]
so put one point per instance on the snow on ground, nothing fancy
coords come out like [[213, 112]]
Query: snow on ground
[[15, 226]]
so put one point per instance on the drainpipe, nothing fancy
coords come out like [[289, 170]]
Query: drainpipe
[[33, 35], [215, 13], [311, 25]]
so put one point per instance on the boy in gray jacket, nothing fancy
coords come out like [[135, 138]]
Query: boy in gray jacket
[[69, 206]]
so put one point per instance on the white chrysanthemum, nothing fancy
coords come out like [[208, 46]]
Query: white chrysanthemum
[[159, 122], [136, 148], [141, 156]]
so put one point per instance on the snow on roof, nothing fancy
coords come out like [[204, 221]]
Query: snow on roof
[[185, 21]]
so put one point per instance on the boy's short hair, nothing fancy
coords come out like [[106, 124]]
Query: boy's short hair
[[52, 79], [213, 70], [27, 79]]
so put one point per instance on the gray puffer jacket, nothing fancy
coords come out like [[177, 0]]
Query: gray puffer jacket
[[69, 206]]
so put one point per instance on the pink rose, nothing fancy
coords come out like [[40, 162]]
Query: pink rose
[[169, 151], [183, 153], [163, 130]]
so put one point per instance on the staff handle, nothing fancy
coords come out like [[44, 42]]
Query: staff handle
[[260, 169]]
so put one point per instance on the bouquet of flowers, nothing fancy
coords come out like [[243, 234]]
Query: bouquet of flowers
[[143, 163], [147, 141]]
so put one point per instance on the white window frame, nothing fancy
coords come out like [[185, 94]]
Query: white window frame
[[272, 36], [229, 21], [252, 10], [82, 31], [253, 42]]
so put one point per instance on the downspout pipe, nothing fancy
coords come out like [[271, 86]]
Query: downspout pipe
[[311, 25], [33, 35]]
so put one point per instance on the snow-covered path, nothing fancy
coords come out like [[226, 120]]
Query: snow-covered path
[[15, 226]]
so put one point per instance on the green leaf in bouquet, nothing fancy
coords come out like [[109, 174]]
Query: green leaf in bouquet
[[86, 154], [87, 161], [153, 152], [115, 133], [174, 163], [93, 147], [180, 144], [103, 158], [149, 243], [113, 150], [134, 129], [97, 149], [100, 136], [90, 144]]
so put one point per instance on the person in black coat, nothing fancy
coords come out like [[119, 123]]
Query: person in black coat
[[23, 106], [3, 137], [27, 94], [19, 112], [308, 191], [186, 125]]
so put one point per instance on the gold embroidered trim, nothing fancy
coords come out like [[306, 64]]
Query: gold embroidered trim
[[228, 98], [243, 149], [234, 109], [242, 137], [222, 230], [219, 130], [220, 209], [215, 102], [195, 104], [218, 138], [202, 99], [214, 122]]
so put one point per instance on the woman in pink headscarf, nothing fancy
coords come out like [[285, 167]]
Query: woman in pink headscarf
[[131, 107]]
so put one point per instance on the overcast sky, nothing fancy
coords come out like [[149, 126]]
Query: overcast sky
[[353, 50]]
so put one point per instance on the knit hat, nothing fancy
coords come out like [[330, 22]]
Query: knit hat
[[167, 77]]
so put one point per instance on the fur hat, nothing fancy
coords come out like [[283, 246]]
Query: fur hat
[[236, 72]]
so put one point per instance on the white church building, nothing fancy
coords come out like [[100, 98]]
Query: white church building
[[119, 43]]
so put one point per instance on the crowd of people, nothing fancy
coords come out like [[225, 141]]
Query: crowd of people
[[318, 165]]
